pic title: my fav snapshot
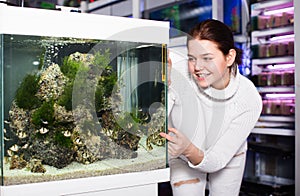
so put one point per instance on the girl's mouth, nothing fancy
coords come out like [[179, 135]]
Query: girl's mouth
[[202, 75]]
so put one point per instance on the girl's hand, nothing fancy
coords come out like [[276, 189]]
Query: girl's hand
[[178, 143]]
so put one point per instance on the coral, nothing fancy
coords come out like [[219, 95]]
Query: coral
[[155, 126], [50, 153], [51, 83], [36, 166], [17, 162], [19, 123], [62, 115], [123, 133]]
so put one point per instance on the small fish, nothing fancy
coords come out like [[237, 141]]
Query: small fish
[[129, 125], [10, 152], [43, 130], [21, 135], [25, 146], [67, 133], [6, 122], [14, 148], [46, 141], [7, 139], [85, 156], [45, 122], [78, 141]]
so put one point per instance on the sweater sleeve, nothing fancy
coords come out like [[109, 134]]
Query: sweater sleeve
[[218, 155]]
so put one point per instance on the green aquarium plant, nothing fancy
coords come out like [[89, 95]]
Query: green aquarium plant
[[107, 80], [62, 140], [26, 93], [41, 59], [102, 60], [44, 115], [70, 68], [66, 98]]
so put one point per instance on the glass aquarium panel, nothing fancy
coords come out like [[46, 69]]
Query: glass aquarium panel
[[1, 109], [75, 108]]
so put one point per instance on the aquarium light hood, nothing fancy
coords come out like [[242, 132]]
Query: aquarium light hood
[[41, 22]]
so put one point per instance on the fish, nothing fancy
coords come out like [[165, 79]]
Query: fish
[[45, 122], [21, 135], [14, 148], [43, 130], [67, 133]]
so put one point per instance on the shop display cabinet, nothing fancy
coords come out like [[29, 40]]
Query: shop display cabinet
[[82, 103], [271, 156]]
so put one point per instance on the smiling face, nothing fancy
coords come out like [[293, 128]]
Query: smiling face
[[208, 65]]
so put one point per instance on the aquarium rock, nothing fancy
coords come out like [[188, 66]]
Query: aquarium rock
[[52, 83], [52, 134]]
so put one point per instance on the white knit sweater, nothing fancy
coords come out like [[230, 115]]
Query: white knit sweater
[[216, 121]]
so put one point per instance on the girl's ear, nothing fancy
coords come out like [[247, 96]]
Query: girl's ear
[[230, 58]]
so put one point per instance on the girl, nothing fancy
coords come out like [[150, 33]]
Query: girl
[[211, 114]]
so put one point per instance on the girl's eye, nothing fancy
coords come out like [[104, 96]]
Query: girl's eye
[[207, 58], [191, 59]]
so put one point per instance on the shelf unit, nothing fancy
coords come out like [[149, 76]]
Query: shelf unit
[[269, 32], [273, 70], [297, 93]]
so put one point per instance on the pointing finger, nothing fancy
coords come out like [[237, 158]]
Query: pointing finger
[[167, 136], [173, 130]]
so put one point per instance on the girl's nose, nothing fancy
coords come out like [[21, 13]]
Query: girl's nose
[[198, 66]]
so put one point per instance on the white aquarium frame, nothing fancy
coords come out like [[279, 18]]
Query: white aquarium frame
[[133, 184], [41, 22]]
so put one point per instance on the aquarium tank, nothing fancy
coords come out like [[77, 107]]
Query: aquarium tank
[[83, 104]]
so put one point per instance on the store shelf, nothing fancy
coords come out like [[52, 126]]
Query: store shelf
[[274, 131], [270, 148], [270, 89], [276, 125], [277, 118], [273, 60], [260, 186], [273, 31], [272, 4], [274, 134]]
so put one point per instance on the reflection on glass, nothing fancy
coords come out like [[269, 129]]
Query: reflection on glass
[[183, 15]]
